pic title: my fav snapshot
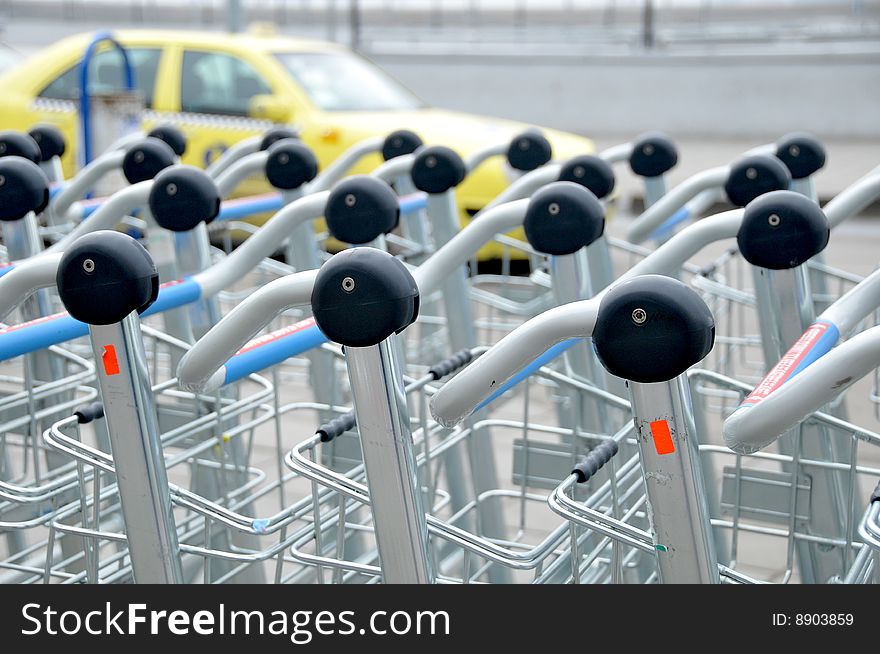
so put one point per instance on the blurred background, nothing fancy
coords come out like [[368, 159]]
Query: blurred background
[[694, 67], [717, 75]]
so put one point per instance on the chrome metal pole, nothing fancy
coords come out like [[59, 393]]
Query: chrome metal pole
[[361, 298], [600, 264], [571, 283], [54, 173], [52, 170], [655, 188], [414, 227], [22, 240], [806, 186], [785, 310], [160, 243], [649, 330], [678, 512], [193, 256], [389, 459], [443, 215], [303, 254], [302, 246], [130, 411], [192, 248]]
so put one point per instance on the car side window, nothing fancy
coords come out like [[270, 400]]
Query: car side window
[[106, 75], [216, 83]]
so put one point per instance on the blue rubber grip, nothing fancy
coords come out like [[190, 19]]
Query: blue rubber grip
[[36, 335], [530, 369], [91, 205], [273, 352], [671, 223], [175, 295], [41, 333], [413, 202], [244, 208], [820, 348], [806, 351], [247, 207], [5, 269], [89, 209]]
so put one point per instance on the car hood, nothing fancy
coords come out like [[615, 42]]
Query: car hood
[[465, 133]]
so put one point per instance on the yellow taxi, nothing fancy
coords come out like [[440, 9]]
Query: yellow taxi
[[220, 88]]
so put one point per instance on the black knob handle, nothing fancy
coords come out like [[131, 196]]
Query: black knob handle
[[652, 329], [360, 209], [362, 296], [782, 230], [49, 139], [754, 175], [170, 135], [528, 151], [17, 144], [653, 154], [23, 188], [291, 164], [875, 495], [437, 169], [182, 197], [450, 364], [803, 154], [399, 143], [104, 276], [563, 217], [86, 413], [145, 159], [590, 172], [277, 134], [336, 427], [598, 457]]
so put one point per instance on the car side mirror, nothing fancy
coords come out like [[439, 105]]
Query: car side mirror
[[270, 107]]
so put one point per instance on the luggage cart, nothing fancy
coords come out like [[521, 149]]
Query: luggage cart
[[172, 344], [122, 373], [619, 509], [331, 520], [246, 329]]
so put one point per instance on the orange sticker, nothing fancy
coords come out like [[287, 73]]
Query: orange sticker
[[662, 437], [111, 364]]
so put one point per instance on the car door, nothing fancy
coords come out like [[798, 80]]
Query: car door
[[214, 91], [57, 102]]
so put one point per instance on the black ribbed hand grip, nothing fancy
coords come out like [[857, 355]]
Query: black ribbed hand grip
[[86, 413], [336, 427], [450, 364], [598, 457]]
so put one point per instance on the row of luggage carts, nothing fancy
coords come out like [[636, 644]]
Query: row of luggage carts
[[347, 396]]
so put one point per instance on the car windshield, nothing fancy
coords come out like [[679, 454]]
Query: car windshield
[[344, 82]]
